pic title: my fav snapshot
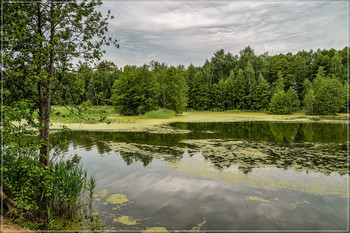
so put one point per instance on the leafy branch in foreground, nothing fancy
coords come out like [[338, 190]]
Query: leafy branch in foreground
[[40, 42]]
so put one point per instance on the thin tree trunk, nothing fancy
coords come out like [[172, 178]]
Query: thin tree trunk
[[40, 87], [45, 148]]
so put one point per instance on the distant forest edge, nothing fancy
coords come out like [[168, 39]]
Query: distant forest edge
[[311, 81]]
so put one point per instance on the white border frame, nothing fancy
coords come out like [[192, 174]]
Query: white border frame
[[190, 1]]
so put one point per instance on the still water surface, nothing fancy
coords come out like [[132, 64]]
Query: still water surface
[[220, 176]]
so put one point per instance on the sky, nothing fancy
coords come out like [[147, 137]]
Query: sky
[[189, 32]]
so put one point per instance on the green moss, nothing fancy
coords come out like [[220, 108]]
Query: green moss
[[147, 150], [102, 193], [156, 230], [253, 198], [198, 226], [300, 204], [117, 199], [126, 220], [264, 178]]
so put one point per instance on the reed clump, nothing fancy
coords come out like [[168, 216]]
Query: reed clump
[[44, 193]]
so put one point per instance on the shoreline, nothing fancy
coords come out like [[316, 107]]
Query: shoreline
[[137, 124], [9, 226]]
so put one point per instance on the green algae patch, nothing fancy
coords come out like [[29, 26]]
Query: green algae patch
[[102, 193], [268, 178], [300, 204], [152, 151], [156, 230], [310, 157], [254, 198], [137, 124], [198, 226], [126, 220], [117, 199]]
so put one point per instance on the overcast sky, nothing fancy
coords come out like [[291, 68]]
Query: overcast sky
[[190, 32]]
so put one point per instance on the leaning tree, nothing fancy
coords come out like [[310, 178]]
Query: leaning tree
[[42, 40]]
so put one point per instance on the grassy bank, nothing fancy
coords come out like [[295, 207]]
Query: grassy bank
[[99, 114], [72, 115], [157, 124]]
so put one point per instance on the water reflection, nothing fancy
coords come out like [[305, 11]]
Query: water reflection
[[317, 147], [238, 176]]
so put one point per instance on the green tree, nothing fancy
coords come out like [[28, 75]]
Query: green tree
[[297, 72], [189, 77], [245, 55], [261, 94], [336, 67], [229, 92], [279, 68], [279, 84], [100, 84], [278, 104], [320, 60], [40, 41], [329, 94], [199, 95], [307, 85], [240, 90], [221, 65], [250, 76], [135, 92], [292, 99], [217, 97], [309, 102], [173, 90]]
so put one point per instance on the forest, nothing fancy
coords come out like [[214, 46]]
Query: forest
[[43, 44], [309, 81]]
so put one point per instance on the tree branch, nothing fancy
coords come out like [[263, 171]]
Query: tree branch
[[20, 87]]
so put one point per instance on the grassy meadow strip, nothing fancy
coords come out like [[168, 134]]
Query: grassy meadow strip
[[162, 113]]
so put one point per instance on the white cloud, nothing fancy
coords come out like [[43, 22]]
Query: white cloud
[[184, 33]]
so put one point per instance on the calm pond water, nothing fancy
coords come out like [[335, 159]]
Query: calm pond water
[[220, 176]]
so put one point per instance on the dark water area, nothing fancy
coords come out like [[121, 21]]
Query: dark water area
[[220, 176]]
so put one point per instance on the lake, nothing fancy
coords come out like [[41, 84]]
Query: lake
[[220, 176]]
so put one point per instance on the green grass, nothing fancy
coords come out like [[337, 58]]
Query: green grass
[[234, 110], [218, 110], [162, 113], [91, 115]]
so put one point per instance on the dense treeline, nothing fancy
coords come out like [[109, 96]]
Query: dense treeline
[[310, 81]]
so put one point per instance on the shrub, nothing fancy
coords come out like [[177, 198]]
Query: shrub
[[39, 189]]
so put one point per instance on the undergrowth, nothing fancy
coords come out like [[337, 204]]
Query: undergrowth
[[161, 113]]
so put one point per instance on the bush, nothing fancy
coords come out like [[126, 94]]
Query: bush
[[233, 110], [43, 192], [85, 105]]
